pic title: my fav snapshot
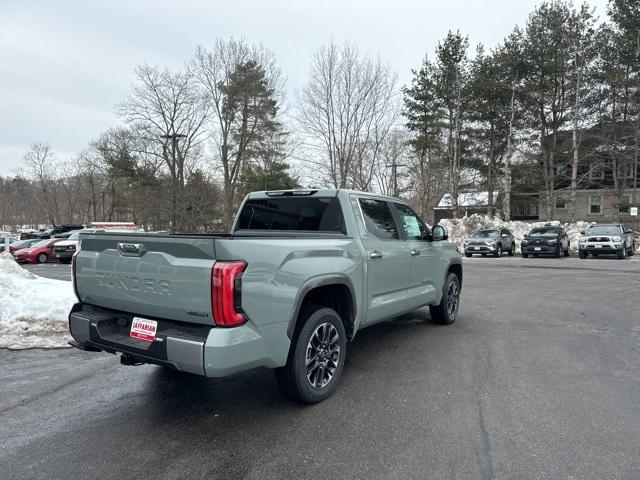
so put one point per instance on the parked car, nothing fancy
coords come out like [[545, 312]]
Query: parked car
[[493, 241], [65, 249], [20, 244], [546, 240], [52, 232], [39, 252], [607, 239], [298, 276]]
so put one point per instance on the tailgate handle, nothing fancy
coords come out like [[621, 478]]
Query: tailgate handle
[[131, 249]]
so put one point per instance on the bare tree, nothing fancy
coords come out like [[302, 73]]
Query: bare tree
[[39, 166], [244, 88], [168, 108], [348, 105]]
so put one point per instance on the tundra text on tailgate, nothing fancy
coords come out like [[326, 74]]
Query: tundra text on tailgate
[[301, 272]]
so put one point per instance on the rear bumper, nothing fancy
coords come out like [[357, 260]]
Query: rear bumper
[[198, 349]]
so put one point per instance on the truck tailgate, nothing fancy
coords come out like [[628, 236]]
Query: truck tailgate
[[157, 276]]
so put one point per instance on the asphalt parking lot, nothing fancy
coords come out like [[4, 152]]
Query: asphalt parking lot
[[55, 270], [538, 379]]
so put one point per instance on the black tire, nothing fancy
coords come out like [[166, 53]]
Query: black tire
[[535, 255], [484, 254], [558, 253], [498, 251], [447, 311], [293, 377], [525, 255], [632, 250], [42, 258], [512, 250], [566, 252], [468, 255], [582, 254], [622, 253]]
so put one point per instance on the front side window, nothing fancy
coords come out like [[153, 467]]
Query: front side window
[[595, 205], [378, 219], [411, 224]]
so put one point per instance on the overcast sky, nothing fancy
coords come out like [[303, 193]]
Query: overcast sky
[[65, 64]]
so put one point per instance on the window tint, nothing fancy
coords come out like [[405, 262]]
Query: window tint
[[378, 219], [311, 214], [413, 227]]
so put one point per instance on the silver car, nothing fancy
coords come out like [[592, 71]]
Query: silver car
[[494, 241], [607, 239]]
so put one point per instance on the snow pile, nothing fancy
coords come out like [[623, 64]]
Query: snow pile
[[462, 228], [33, 310]]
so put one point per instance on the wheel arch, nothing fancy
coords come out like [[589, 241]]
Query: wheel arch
[[333, 291]]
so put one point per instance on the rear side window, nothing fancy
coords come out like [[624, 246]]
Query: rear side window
[[378, 219], [310, 214]]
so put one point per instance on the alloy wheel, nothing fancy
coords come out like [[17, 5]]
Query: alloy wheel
[[453, 299], [323, 355]]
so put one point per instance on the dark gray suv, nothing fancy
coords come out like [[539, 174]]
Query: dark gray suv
[[492, 241]]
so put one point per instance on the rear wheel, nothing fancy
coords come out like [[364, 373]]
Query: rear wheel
[[316, 357], [447, 311], [42, 258]]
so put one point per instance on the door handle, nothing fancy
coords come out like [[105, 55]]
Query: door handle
[[414, 252], [376, 254]]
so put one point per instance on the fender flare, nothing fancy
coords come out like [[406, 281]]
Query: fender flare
[[315, 282], [453, 261]]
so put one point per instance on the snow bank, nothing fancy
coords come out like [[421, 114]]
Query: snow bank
[[462, 228], [33, 310]]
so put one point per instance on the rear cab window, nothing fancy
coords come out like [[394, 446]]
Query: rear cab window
[[298, 214], [378, 219]]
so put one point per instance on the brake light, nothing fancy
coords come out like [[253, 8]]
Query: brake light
[[226, 280]]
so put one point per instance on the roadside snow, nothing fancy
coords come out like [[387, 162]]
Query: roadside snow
[[463, 228], [33, 310]]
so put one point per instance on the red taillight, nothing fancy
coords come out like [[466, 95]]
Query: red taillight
[[225, 293]]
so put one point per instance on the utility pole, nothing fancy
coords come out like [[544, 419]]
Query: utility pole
[[174, 175]]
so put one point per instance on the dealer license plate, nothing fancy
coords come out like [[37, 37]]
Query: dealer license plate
[[476, 248], [537, 249], [144, 329], [598, 245]]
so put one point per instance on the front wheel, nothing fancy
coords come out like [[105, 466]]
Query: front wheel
[[447, 311], [632, 250], [622, 253], [316, 357], [566, 252], [468, 255], [42, 258], [512, 250], [582, 254], [525, 255], [498, 251]]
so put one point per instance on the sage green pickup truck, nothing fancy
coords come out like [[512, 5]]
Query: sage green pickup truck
[[300, 273]]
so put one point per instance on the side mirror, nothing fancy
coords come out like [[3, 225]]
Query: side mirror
[[439, 233], [504, 235], [526, 235], [583, 232]]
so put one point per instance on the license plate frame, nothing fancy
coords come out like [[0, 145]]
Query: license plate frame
[[537, 249], [476, 248], [143, 329], [598, 245]]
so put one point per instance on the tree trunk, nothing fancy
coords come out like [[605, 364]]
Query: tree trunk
[[574, 146]]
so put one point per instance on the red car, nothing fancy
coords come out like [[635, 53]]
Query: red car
[[39, 252]]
